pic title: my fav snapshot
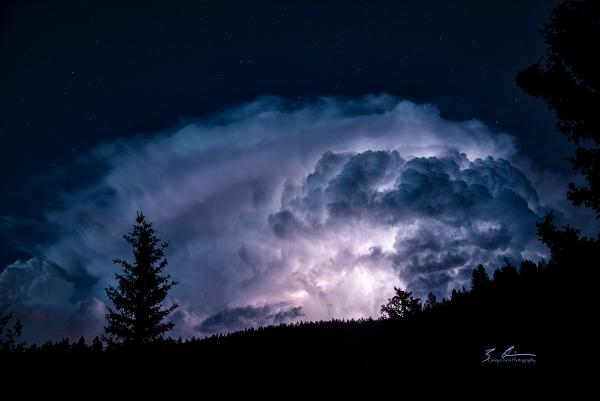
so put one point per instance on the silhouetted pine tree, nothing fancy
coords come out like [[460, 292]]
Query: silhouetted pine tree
[[567, 78], [479, 279], [97, 345], [507, 276], [431, 301], [563, 242], [80, 346], [402, 304], [528, 269], [139, 310], [9, 334]]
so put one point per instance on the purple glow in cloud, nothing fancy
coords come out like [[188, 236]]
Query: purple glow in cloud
[[279, 212]]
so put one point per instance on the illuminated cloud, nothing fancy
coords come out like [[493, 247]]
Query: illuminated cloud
[[432, 218], [277, 211]]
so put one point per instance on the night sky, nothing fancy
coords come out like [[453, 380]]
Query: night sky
[[95, 94]]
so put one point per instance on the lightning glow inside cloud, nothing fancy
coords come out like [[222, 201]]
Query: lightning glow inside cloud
[[279, 212]]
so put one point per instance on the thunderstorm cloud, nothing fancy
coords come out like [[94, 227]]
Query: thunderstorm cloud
[[279, 212]]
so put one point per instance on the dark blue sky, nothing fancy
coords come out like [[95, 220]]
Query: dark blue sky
[[74, 74]]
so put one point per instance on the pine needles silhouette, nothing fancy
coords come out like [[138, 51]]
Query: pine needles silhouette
[[402, 304], [139, 310], [567, 79], [10, 331]]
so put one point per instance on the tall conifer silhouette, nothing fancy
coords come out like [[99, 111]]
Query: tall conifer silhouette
[[138, 299], [402, 304]]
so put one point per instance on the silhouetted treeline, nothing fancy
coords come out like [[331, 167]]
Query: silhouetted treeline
[[546, 309], [541, 308], [555, 285]]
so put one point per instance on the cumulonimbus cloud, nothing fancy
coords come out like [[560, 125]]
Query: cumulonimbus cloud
[[277, 211]]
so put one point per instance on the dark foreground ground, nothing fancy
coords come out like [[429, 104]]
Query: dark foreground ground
[[437, 352]]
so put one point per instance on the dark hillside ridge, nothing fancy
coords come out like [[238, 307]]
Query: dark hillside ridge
[[541, 309]]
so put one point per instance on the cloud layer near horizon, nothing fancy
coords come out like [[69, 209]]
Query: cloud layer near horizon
[[280, 212]]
